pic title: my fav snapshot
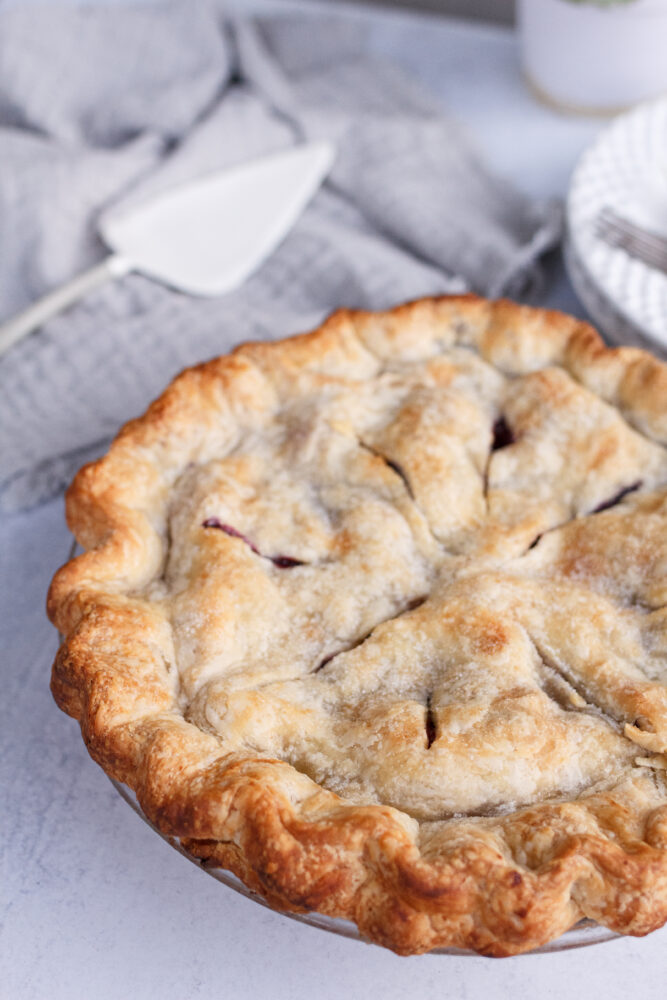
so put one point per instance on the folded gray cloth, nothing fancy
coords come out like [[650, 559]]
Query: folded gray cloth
[[103, 105]]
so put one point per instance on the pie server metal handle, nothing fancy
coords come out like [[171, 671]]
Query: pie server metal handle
[[61, 298]]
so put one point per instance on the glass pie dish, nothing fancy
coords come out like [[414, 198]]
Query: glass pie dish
[[583, 934]]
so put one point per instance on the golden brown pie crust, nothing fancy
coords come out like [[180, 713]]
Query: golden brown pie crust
[[533, 592]]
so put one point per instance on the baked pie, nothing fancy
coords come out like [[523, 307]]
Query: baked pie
[[376, 617]]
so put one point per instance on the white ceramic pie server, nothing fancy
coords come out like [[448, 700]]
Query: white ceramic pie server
[[204, 237]]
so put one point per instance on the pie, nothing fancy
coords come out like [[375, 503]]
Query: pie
[[376, 617]]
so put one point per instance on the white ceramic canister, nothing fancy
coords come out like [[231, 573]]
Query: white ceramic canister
[[594, 56]]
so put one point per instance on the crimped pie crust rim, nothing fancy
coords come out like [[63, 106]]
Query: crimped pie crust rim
[[582, 935], [259, 818]]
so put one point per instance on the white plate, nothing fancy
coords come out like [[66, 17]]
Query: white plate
[[625, 169]]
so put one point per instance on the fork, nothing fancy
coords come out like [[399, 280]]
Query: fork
[[638, 242]]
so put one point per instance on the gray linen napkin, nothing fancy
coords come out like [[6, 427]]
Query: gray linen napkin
[[106, 105]]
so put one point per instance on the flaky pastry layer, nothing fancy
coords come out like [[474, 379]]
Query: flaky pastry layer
[[375, 618]]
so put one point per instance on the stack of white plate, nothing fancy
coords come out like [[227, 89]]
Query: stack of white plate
[[624, 169]]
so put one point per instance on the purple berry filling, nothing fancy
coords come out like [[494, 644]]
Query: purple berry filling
[[617, 497], [431, 729], [213, 522], [285, 562], [282, 562], [503, 435]]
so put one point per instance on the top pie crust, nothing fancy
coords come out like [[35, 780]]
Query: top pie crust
[[376, 617]]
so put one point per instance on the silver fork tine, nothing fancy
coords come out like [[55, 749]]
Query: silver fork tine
[[620, 237], [614, 222], [620, 232]]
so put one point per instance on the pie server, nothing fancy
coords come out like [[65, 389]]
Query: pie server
[[204, 237]]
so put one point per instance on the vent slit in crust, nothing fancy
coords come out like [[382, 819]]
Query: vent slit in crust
[[430, 722], [282, 562], [411, 605], [569, 691], [503, 436], [394, 466], [228, 529], [400, 472], [617, 497]]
